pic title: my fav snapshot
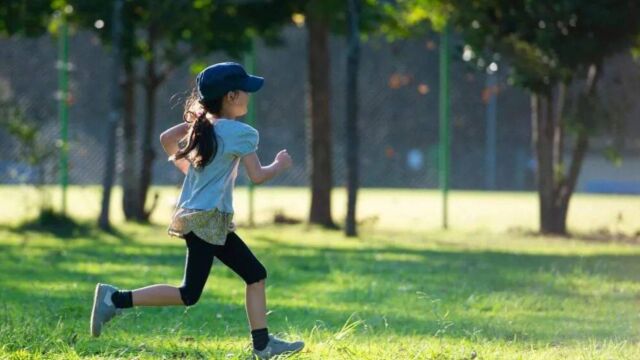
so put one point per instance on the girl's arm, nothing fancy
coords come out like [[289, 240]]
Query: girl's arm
[[169, 140], [258, 173]]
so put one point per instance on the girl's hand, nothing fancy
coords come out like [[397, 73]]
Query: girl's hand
[[283, 159]]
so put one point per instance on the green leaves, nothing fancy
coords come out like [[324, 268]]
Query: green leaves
[[407, 18], [544, 41], [33, 148], [197, 66], [25, 18]]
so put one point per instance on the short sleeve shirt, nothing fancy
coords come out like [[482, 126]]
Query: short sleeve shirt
[[205, 205]]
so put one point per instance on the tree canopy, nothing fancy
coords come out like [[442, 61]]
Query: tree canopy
[[544, 42]]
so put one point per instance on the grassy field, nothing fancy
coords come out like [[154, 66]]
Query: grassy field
[[378, 209], [402, 290]]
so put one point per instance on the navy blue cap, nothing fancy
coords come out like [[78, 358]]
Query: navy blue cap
[[218, 79]]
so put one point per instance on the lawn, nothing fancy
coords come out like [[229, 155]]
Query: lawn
[[484, 290], [378, 209]]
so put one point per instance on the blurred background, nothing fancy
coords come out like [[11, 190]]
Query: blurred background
[[466, 178], [399, 95]]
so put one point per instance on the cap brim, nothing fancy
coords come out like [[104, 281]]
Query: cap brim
[[253, 83]]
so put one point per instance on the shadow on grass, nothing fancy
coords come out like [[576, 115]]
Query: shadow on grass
[[602, 235], [392, 288], [615, 267], [64, 228], [56, 224]]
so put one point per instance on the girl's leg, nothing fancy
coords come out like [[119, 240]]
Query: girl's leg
[[197, 267], [156, 295], [237, 256], [256, 304], [108, 299]]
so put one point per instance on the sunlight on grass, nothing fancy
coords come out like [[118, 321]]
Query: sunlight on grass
[[394, 292], [409, 210]]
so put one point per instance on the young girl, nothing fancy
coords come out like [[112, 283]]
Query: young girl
[[207, 148]]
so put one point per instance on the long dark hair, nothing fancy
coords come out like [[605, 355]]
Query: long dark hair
[[201, 144]]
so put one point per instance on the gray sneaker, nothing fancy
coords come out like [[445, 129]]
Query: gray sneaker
[[276, 347], [103, 308]]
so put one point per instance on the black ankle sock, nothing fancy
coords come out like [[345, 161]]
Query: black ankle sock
[[122, 299], [260, 338]]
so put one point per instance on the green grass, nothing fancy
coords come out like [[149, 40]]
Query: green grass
[[402, 293], [378, 209]]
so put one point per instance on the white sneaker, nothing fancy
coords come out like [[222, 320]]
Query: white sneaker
[[277, 346], [103, 308]]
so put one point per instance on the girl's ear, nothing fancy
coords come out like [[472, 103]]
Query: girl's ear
[[229, 97]]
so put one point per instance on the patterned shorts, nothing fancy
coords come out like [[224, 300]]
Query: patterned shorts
[[211, 226]]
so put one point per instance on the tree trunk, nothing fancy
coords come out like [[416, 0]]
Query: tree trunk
[[114, 117], [567, 184], [543, 134], [555, 185], [147, 153], [552, 216], [129, 169], [558, 140], [351, 132], [321, 171]]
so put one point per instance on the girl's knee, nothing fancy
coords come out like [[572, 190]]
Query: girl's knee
[[258, 276], [189, 296], [256, 284]]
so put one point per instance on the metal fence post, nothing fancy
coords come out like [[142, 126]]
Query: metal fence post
[[445, 124], [63, 105]]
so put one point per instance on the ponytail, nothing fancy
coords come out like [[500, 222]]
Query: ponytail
[[201, 144]]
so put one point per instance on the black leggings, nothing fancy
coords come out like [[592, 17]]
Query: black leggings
[[234, 253]]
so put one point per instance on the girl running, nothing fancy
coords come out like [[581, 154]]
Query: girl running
[[208, 148]]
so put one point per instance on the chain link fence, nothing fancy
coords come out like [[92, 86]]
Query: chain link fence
[[398, 85]]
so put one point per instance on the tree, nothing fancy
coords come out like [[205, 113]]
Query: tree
[[556, 50], [25, 18], [190, 31], [28, 19], [320, 111], [85, 15], [33, 150], [325, 17], [115, 114], [175, 32], [353, 59]]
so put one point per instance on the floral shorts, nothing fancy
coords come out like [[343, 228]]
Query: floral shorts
[[211, 226]]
